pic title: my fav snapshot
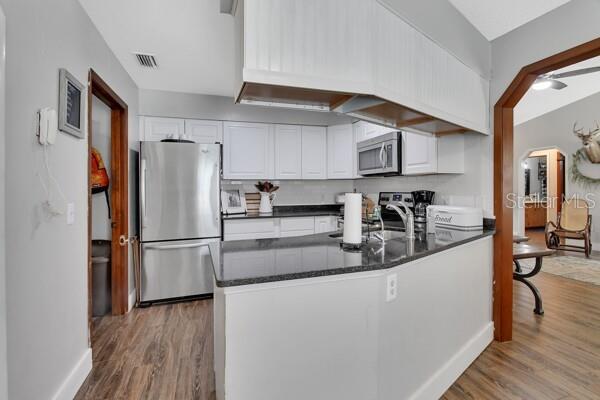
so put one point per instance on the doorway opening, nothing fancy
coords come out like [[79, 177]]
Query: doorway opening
[[503, 176], [542, 185], [108, 208]]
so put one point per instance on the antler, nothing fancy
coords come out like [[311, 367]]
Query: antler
[[578, 132]]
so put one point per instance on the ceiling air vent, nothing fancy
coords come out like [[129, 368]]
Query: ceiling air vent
[[146, 60]]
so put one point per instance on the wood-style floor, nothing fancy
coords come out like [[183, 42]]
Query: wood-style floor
[[161, 352], [165, 352]]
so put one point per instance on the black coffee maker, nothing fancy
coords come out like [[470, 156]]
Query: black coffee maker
[[422, 199]]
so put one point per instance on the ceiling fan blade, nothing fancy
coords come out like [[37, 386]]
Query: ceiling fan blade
[[576, 72]]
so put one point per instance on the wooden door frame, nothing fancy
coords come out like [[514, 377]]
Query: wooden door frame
[[503, 176], [119, 197]]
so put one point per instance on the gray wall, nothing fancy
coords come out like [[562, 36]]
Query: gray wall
[[555, 129], [3, 381], [159, 103], [46, 258], [563, 28], [439, 20]]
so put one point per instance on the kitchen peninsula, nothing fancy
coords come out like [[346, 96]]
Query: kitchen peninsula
[[300, 318]]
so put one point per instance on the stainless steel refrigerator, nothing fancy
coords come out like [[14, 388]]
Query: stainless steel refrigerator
[[179, 216]]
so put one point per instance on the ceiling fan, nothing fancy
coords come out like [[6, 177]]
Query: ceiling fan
[[551, 80]]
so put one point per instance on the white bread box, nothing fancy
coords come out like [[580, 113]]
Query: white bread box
[[459, 218]]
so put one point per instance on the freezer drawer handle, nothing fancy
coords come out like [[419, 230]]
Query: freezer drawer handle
[[176, 246]]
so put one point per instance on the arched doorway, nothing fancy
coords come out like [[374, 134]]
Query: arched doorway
[[503, 176]]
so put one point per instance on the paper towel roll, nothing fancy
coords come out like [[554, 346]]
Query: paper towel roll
[[353, 218]]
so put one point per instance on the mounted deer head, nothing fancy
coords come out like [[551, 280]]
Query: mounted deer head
[[590, 143]]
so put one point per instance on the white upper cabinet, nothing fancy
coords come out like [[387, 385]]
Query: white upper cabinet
[[288, 152], [314, 152], [419, 153], [341, 152], [157, 129], [366, 130], [201, 131], [248, 151]]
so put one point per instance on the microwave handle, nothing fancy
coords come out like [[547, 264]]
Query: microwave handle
[[381, 159]]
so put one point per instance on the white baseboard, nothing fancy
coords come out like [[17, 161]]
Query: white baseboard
[[71, 385], [131, 300], [437, 385]]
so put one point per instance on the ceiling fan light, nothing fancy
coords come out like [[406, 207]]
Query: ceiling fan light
[[542, 84]]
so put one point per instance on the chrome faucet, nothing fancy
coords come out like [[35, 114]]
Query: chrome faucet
[[407, 217], [377, 214]]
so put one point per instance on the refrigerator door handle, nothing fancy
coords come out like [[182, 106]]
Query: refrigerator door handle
[[175, 246], [143, 191]]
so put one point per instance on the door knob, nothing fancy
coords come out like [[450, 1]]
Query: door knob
[[123, 240]]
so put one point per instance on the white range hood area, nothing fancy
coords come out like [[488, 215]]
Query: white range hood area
[[356, 57]]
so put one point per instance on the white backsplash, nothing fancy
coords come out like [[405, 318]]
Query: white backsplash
[[301, 192]]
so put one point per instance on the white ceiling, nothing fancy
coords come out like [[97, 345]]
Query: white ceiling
[[536, 103], [192, 41], [494, 18]]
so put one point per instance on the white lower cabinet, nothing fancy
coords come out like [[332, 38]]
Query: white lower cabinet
[[267, 228], [419, 153], [296, 226], [258, 228], [325, 224], [341, 152]]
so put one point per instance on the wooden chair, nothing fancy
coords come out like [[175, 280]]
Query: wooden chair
[[575, 223]]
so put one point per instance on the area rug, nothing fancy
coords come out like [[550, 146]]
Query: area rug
[[578, 268]]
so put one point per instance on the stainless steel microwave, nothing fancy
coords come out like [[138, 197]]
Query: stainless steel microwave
[[381, 155]]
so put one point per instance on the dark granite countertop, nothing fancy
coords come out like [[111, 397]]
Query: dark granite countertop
[[317, 210], [247, 262]]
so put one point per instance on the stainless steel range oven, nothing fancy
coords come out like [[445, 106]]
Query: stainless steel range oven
[[381, 155]]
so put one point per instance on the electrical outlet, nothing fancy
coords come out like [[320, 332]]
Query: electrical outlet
[[70, 213], [392, 287]]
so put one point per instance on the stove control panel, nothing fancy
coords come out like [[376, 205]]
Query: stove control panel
[[394, 198]]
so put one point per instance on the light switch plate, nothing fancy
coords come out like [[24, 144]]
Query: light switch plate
[[70, 213], [391, 287]]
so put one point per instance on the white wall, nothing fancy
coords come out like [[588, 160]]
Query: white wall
[[46, 258], [158, 103], [3, 381], [445, 25], [555, 129], [101, 133]]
